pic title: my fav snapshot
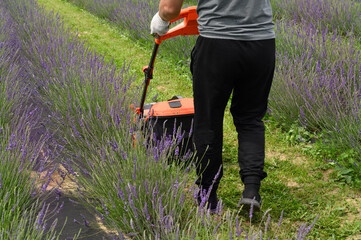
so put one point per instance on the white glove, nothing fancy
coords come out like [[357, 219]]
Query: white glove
[[158, 25]]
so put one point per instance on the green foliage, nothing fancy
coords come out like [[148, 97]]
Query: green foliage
[[345, 161], [297, 134]]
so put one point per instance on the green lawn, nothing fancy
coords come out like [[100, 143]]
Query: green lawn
[[298, 184]]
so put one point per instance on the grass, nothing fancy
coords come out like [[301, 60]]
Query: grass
[[299, 184]]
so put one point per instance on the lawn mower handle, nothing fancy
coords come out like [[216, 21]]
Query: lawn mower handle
[[189, 26]]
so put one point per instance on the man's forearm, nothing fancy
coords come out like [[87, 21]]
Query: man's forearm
[[170, 9]]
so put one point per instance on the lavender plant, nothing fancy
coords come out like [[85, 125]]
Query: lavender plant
[[342, 17], [95, 105], [23, 215], [319, 74]]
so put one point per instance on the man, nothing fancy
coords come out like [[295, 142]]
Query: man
[[234, 54]]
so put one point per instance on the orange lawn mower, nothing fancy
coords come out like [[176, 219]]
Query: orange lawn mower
[[178, 112]]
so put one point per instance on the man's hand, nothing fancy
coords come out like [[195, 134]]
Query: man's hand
[[158, 25]]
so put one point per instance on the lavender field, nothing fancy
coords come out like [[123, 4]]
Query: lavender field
[[317, 80], [64, 107]]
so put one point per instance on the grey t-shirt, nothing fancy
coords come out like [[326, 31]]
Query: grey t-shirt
[[236, 19]]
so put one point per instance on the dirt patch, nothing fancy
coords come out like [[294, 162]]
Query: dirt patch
[[59, 179], [293, 184], [356, 237], [105, 229], [160, 88], [334, 192], [355, 206], [294, 158], [326, 174], [54, 177], [83, 33]]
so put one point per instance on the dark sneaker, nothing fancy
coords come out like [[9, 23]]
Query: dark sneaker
[[248, 201]]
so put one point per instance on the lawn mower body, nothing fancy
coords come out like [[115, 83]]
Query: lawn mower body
[[168, 117]]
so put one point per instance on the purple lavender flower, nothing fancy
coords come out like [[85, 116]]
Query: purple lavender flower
[[85, 222], [132, 206], [333, 161], [133, 189], [60, 207], [120, 193], [45, 186], [181, 200], [187, 156], [216, 228], [111, 200], [146, 185], [105, 208], [200, 193], [40, 219], [134, 167], [176, 151], [145, 210]]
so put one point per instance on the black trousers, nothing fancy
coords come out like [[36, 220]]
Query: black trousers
[[221, 68]]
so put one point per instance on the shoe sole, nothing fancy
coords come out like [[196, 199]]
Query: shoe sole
[[248, 202]]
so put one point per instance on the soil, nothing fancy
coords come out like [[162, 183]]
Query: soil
[[73, 218]]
